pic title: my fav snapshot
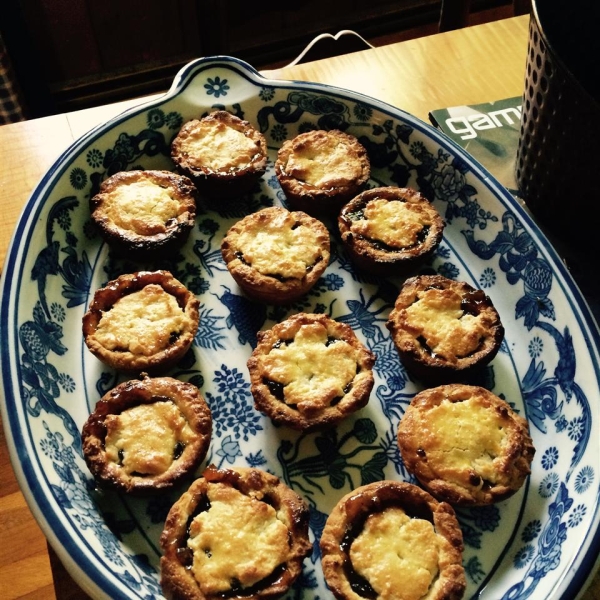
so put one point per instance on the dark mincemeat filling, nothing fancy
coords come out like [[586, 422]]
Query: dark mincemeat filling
[[474, 302]]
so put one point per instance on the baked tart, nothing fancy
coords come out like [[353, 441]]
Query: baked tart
[[145, 214], [144, 321], [236, 533], [147, 435], [389, 230], [276, 256], [465, 445], [222, 154], [321, 170], [391, 540], [444, 330], [309, 372]]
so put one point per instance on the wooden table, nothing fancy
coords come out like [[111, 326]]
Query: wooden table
[[473, 65]]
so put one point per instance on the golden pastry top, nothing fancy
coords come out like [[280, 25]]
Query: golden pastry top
[[142, 322], [143, 439], [217, 145], [397, 224], [465, 445], [396, 552], [279, 244], [143, 207], [448, 331], [310, 367], [239, 538], [464, 436], [324, 159]]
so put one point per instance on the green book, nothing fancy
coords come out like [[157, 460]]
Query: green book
[[489, 132]]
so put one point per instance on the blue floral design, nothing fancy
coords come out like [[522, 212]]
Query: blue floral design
[[549, 485], [266, 94], [58, 312], [66, 382], [488, 278], [524, 556], [448, 270], [333, 282], [229, 450], [279, 133], [232, 409], [256, 459], [531, 531], [209, 331], [173, 120], [94, 158], [548, 552], [550, 458], [536, 347], [584, 479], [576, 428], [561, 424], [155, 118], [78, 178], [474, 570], [216, 87], [362, 112], [577, 515]]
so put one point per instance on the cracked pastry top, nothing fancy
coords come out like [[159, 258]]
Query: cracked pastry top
[[147, 435], [222, 154], [309, 372], [391, 540], [444, 330], [143, 321], [276, 255], [465, 445], [321, 170], [389, 230], [236, 533], [145, 214]]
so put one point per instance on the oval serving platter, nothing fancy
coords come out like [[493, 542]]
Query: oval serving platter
[[542, 542]]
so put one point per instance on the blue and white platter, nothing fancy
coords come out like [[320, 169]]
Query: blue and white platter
[[541, 543]]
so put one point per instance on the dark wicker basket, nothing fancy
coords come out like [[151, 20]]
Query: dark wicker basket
[[558, 159]]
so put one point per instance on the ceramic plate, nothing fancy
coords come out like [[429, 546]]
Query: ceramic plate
[[540, 543]]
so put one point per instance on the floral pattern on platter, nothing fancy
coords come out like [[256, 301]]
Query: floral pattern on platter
[[487, 241]]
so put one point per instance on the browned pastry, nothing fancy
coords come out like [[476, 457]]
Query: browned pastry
[[275, 255], [309, 372], [465, 445], [391, 540], [390, 230], [144, 321], [222, 154], [147, 435], [444, 330], [145, 214], [236, 533], [321, 170]]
